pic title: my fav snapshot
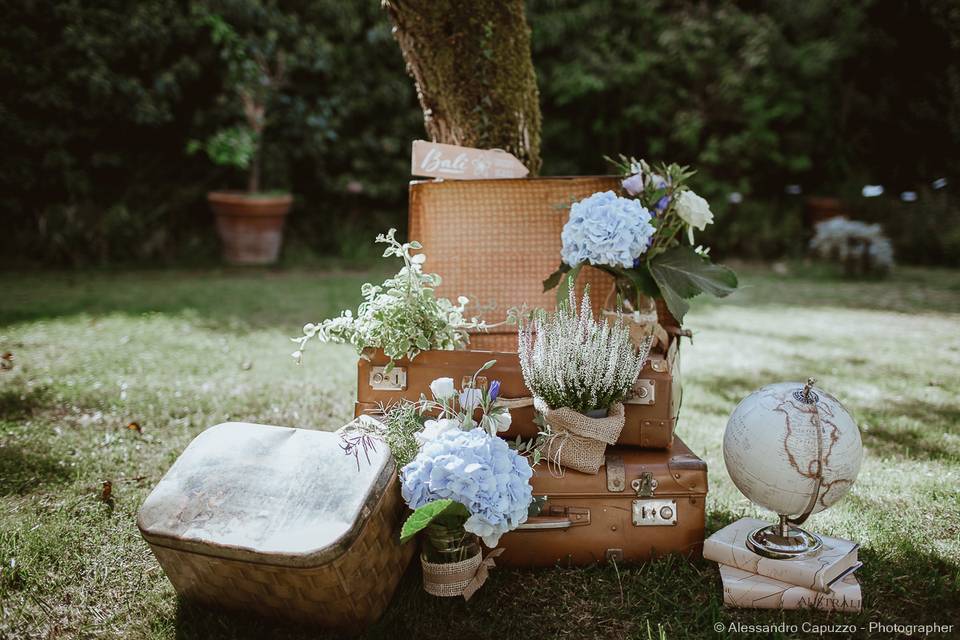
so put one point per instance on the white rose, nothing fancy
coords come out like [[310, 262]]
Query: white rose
[[693, 210], [442, 388], [433, 428]]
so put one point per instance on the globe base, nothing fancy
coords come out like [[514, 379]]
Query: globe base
[[784, 542]]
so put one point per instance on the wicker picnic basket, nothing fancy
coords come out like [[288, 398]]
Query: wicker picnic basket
[[280, 522]]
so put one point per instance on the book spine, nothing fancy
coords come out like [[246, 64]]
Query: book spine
[[743, 595]]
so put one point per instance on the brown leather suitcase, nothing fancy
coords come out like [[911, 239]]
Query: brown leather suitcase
[[651, 414], [411, 379], [644, 503]]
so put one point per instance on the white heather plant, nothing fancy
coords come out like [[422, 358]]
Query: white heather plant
[[402, 316], [569, 359]]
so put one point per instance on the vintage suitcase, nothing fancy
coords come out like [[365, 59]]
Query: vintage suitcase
[[260, 518], [495, 241], [409, 380], [643, 503], [651, 414]]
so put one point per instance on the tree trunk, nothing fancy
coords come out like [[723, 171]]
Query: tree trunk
[[470, 60]]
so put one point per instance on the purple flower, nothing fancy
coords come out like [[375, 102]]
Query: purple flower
[[662, 204], [634, 184], [494, 390]]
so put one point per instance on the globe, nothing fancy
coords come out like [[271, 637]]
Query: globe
[[780, 458]]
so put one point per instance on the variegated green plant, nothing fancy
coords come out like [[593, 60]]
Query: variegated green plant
[[402, 316]]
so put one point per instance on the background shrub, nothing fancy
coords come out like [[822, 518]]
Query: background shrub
[[101, 99]]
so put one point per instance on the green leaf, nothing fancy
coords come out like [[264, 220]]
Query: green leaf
[[554, 278], [681, 274], [536, 506], [425, 515], [639, 277]]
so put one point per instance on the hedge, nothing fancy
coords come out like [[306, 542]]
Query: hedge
[[101, 99]]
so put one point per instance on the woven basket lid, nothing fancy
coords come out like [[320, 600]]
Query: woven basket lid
[[272, 495]]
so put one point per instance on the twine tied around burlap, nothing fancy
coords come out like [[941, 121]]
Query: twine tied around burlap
[[643, 323], [578, 441], [450, 579]]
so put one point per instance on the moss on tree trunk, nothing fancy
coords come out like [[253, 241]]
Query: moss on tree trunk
[[471, 64]]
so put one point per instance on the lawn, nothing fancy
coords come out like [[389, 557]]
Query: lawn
[[115, 373]]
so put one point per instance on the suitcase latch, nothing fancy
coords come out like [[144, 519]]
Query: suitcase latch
[[654, 513], [645, 485], [643, 392], [396, 380]]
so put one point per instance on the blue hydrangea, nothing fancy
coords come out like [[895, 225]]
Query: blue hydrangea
[[477, 470], [606, 229]]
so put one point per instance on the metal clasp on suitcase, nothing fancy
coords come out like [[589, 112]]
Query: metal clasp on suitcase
[[396, 380], [644, 392], [647, 510], [558, 518]]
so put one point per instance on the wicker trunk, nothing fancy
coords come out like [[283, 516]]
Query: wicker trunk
[[279, 522]]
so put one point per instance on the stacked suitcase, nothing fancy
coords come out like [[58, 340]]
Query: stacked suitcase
[[495, 241]]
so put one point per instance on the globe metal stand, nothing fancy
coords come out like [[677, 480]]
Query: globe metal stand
[[785, 540]]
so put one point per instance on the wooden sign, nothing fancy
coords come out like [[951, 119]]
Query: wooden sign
[[463, 163]]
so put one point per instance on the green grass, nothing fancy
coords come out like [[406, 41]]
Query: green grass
[[177, 352]]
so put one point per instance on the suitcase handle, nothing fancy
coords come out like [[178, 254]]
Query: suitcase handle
[[559, 518]]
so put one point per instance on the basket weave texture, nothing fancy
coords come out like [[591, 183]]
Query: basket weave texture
[[495, 241], [353, 590]]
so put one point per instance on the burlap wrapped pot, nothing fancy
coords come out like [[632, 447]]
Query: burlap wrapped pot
[[578, 441]]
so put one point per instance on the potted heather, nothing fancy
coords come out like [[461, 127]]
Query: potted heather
[[579, 370], [249, 222]]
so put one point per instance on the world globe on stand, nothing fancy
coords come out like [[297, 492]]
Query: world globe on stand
[[793, 449]]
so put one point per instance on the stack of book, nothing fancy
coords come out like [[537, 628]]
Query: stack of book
[[825, 581]]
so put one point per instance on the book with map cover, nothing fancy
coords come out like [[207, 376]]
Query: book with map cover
[[729, 547], [742, 589]]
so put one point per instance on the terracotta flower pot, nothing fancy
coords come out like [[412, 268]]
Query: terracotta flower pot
[[250, 226]]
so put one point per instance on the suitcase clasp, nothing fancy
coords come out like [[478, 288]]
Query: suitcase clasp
[[654, 513], [644, 392], [645, 485], [396, 380]]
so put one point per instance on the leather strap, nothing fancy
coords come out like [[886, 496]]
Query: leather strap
[[515, 403]]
